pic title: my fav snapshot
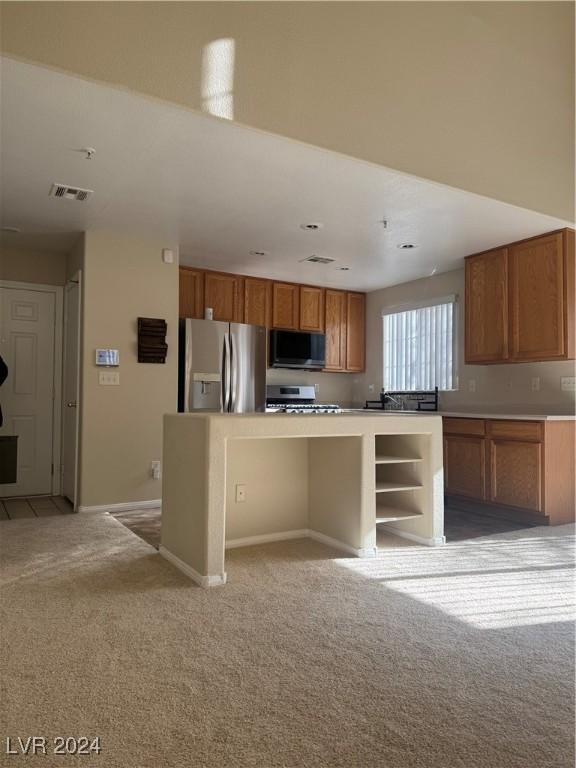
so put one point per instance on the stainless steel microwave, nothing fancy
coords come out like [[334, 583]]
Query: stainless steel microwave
[[297, 349]]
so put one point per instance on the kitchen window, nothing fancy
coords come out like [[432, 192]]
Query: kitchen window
[[419, 346]]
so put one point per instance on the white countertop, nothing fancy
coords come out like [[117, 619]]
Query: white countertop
[[477, 415]]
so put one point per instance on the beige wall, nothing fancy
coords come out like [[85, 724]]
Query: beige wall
[[505, 385], [472, 94], [27, 266], [121, 426]]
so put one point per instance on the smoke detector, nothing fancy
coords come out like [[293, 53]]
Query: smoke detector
[[318, 260], [65, 192], [312, 226]]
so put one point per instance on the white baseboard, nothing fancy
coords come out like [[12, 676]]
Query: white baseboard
[[438, 541], [204, 581], [337, 544], [124, 507], [266, 538]]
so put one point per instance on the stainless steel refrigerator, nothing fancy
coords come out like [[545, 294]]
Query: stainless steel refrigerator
[[221, 367]]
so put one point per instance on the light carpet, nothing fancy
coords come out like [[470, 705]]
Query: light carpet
[[455, 657]]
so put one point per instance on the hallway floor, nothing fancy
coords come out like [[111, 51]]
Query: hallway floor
[[34, 506]]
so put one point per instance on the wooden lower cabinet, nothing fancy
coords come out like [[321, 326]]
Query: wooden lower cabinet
[[465, 466], [527, 466], [516, 474]]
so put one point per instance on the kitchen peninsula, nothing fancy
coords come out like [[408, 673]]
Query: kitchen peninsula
[[234, 480]]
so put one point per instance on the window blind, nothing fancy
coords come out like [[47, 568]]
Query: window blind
[[419, 348]]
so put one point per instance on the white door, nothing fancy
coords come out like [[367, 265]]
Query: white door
[[71, 391], [27, 338]]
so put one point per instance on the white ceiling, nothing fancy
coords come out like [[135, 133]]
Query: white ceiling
[[222, 190]]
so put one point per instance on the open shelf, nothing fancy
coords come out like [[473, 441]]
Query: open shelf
[[395, 460], [388, 486], [389, 514]]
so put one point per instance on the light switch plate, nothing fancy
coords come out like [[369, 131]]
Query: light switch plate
[[109, 378], [535, 383], [471, 385], [240, 493], [568, 383]]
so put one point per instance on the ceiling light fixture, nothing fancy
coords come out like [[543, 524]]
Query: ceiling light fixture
[[313, 226], [407, 246], [344, 269], [258, 253]]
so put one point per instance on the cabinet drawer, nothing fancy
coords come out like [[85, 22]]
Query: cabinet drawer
[[474, 427], [516, 430]]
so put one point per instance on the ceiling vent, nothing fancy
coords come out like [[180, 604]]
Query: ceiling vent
[[70, 193], [319, 260]]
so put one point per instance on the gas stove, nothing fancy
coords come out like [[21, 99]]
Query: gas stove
[[303, 408], [282, 398]]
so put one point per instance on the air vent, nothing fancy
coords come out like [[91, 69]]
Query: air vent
[[70, 193], [319, 260]]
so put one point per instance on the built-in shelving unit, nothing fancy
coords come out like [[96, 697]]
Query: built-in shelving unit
[[398, 478], [390, 514], [395, 460], [383, 486]]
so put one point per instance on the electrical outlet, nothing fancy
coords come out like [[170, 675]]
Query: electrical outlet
[[109, 378], [471, 385], [240, 493], [155, 470], [536, 384], [568, 383]]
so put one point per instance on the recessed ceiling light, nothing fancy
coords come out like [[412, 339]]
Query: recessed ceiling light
[[258, 253], [407, 246], [11, 229], [312, 226]]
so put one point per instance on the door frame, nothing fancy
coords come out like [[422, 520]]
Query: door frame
[[58, 291], [76, 278]]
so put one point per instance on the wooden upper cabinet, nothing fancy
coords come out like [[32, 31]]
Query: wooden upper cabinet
[[520, 301], [311, 309], [257, 301], [356, 331], [486, 307], [286, 306], [538, 299], [191, 291], [335, 328], [223, 292]]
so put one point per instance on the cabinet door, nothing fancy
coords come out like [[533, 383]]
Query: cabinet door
[[356, 331], [257, 301], [465, 466], [285, 306], [516, 474], [335, 330], [222, 292], [486, 307], [538, 299], [311, 309], [191, 293]]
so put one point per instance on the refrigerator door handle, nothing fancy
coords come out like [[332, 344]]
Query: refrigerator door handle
[[233, 375], [225, 374]]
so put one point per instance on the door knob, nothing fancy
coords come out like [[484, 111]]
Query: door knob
[[71, 405]]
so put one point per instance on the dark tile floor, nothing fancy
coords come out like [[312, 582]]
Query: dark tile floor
[[459, 525], [34, 506]]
